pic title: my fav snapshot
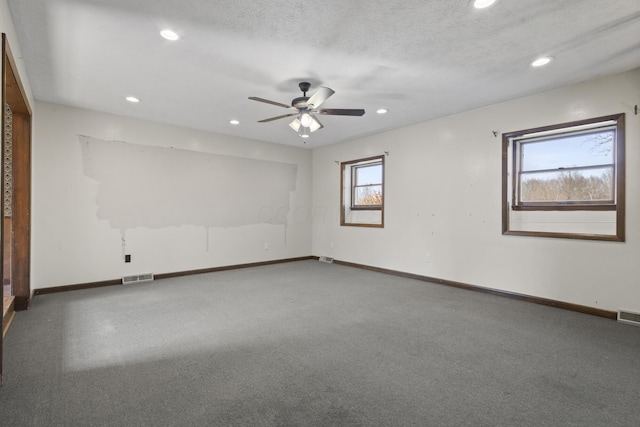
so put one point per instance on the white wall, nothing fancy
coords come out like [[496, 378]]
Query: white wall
[[443, 198], [77, 239]]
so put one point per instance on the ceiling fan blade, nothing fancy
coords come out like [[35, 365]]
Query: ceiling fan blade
[[321, 95], [342, 112], [255, 98], [276, 118]]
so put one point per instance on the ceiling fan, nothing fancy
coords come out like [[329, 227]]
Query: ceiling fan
[[306, 107]]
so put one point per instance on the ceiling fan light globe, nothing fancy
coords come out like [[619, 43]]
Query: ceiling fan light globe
[[295, 125], [306, 119], [315, 124]]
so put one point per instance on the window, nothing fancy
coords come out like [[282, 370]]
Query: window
[[569, 169], [366, 185], [577, 167], [362, 192]]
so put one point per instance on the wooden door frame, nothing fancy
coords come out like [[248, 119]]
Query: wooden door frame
[[14, 95]]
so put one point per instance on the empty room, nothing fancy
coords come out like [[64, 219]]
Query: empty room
[[340, 213]]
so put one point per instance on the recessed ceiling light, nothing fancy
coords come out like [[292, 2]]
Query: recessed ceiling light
[[170, 35], [234, 122], [382, 111], [132, 99], [481, 4], [544, 60]]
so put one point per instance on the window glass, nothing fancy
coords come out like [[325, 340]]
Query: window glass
[[369, 174], [589, 149], [567, 186], [367, 185], [576, 167]]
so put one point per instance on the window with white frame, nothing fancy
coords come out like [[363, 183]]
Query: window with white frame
[[366, 185]]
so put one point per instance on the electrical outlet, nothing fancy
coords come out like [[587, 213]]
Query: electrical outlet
[[427, 258], [266, 246], [127, 258]]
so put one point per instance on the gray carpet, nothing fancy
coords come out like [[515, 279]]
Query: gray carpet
[[312, 344]]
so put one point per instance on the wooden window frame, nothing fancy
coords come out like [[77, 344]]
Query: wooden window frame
[[344, 205], [509, 141]]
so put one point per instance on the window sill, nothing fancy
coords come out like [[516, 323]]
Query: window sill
[[564, 207], [366, 208]]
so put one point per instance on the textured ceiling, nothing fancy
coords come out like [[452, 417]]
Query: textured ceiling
[[420, 59]]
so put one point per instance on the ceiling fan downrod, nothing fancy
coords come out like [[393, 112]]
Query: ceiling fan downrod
[[301, 102]]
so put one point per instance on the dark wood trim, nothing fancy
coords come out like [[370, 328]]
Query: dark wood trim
[[621, 177], [14, 95], [21, 219], [80, 286], [366, 208], [499, 292], [229, 267], [514, 295], [365, 159], [22, 303], [343, 206], [14, 92], [3, 100], [349, 224], [619, 207], [113, 282], [576, 123], [601, 237], [565, 207], [505, 183]]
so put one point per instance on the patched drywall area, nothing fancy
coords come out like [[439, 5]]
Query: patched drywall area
[[174, 199], [158, 187]]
